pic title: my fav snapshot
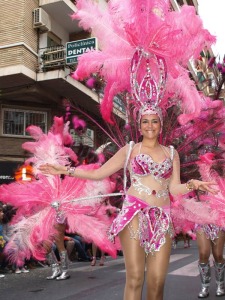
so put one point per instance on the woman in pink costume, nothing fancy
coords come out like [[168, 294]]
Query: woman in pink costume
[[144, 224], [211, 237], [145, 48]]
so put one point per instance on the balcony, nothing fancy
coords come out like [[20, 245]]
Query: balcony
[[52, 58], [58, 8], [54, 75]]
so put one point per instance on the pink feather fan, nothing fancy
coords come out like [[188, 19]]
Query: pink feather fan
[[210, 208], [187, 211], [123, 26], [217, 202], [77, 200], [41, 202]]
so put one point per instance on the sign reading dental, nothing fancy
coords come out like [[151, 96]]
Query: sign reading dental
[[76, 48]]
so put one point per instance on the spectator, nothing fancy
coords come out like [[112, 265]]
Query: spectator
[[80, 248]]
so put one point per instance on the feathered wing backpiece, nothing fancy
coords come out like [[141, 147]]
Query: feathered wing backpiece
[[47, 200], [40, 203], [122, 27], [200, 144], [212, 169]]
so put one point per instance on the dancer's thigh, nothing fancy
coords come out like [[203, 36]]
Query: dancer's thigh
[[157, 264], [218, 246], [134, 254], [204, 246]]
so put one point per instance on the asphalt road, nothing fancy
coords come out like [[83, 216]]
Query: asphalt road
[[105, 283]]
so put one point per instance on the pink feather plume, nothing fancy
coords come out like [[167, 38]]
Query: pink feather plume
[[122, 26]]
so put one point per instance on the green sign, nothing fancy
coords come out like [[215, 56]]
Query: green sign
[[76, 48]]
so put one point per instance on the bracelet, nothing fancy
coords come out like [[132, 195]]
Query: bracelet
[[189, 185], [70, 170]]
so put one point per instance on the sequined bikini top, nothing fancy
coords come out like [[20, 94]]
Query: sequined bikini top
[[143, 164]]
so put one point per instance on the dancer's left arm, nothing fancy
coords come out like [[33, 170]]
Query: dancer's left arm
[[177, 188]]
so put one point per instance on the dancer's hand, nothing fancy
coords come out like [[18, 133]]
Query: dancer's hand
[[50, 169], [204, 186]]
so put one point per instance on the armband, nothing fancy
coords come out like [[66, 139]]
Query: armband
[[71, 171]]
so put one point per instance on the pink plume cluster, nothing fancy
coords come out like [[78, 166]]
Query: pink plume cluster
[[79, 124], [50, 147], [123, 26], [217, 202], [186, 212], [41, 202], [205, 130], [91, 82], [36, 214]]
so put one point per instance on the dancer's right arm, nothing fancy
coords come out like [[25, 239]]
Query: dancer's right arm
[[114, 164]]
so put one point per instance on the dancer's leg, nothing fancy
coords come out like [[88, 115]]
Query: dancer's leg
[[219, 263], [134, 256], [156, 271], [59, 240], [204, 249]]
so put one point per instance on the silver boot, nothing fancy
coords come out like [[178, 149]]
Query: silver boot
[[219, 274], [205, 275], [64, 266], [52, 260]]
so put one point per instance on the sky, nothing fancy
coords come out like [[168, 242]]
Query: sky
[[212, 13]]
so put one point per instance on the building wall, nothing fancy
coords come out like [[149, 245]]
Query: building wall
[[11, 148], [19, 45], [18, 40]]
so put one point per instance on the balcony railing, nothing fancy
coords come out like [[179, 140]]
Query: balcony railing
[[52, 58]]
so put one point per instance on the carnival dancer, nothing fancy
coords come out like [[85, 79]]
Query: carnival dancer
[[144, 49], [144, 224], [211, 237]]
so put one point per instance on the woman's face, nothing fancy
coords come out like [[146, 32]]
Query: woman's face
[[150, 126]]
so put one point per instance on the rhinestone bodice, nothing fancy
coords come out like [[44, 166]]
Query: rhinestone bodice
[[143, 164]]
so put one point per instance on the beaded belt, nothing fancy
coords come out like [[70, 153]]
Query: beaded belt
[[139, 187]]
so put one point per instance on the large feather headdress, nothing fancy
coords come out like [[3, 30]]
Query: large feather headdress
[[122, 27]]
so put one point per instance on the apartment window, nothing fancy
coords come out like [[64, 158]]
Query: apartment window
[[16, 121], [53, 40]]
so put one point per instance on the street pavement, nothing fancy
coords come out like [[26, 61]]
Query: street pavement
[[107, 282]]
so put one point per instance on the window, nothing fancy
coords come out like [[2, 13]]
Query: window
[[53, 40], [16, 121]]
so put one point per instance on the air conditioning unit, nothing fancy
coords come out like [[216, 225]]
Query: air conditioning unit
[[41, 20]]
